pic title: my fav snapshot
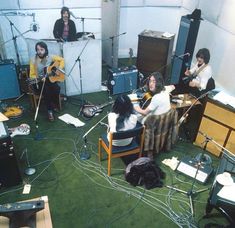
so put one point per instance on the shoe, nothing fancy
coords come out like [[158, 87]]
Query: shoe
[[50, 115]]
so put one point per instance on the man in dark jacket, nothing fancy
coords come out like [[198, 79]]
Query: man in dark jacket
[[64, 28]]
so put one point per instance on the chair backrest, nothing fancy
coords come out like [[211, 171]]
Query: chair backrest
[[161, 131], [138, 130]]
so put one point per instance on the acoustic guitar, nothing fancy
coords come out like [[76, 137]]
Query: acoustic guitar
[[53, 72], [89, 111]]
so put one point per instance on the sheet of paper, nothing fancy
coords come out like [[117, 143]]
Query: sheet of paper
[[227, 192], [27, 189], [3, 117], [67, 118]]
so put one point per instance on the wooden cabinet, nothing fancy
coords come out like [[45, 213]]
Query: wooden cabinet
[[218, 123], [154, 53]]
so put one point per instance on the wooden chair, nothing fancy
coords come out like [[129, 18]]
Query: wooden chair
[[135, 147]]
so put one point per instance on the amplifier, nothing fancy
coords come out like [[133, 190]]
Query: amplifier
[[9, 171], [189, 166], [122, 80], [9, 86]]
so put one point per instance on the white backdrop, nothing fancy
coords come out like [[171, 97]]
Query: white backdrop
[[90, 66]]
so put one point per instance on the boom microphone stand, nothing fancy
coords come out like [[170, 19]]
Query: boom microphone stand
[[84, 155], [80, 72], [191, 193], [14, 38]]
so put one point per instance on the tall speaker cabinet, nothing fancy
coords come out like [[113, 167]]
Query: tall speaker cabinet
[[154, 53], [187, 37]]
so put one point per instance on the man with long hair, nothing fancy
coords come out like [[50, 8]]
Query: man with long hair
[[38, 65], [201, 72], [64, 28], [160, 102]]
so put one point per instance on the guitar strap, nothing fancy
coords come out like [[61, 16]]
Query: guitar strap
[[199, 70]]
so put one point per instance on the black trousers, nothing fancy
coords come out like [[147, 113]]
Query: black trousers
[[50, 93]]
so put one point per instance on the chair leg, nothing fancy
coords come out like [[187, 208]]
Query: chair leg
[[109, 165]]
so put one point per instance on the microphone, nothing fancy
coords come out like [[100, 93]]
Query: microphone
[[34, 25], [181, 56]]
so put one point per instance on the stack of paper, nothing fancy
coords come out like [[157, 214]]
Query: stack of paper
[[225, 98], [227, 192]]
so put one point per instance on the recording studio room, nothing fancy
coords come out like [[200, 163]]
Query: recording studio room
[[117, 113]]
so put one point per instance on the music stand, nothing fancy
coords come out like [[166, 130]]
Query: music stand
[[191, 193]]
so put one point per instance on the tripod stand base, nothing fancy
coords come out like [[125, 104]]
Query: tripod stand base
[[84, 155], [30, 171]]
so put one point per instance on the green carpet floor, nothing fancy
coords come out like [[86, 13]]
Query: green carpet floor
[[81, 194]]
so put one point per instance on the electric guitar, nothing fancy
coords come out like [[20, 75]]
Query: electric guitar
[[23, 129], [53, 72], [89, 111]]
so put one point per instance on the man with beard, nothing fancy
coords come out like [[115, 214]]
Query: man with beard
[[64, 28], [38, 66]]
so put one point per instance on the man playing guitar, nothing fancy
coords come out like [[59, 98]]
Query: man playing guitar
[[39, 66], [160, 102]]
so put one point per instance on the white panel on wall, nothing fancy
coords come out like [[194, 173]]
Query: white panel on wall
[[90, 57], [82, 3], [9, 4], [227, 16], [132, 3], [163, 3], [211, 11], [42, 4], [190, 4]]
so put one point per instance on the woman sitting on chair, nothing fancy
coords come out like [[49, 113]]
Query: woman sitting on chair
[[122, 118]]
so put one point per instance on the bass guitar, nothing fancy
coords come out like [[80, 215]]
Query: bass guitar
[[53, 72], [89, 111]]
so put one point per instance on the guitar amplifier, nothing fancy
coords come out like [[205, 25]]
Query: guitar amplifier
[[188, 166], [122, 80], [9, 86], [9, 171]]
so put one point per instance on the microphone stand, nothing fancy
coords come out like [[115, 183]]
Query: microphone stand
[[29, 170], [14, 38], [84, 155], [112, 44], [80, 72], [190, 193], [38, 135]]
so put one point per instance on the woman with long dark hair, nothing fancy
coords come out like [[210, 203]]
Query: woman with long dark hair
[[122, 118]]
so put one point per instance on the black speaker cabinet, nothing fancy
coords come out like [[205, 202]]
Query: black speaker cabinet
[[154, 53], [9, 86], [122, 80], [9, 171], [186, 41]]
